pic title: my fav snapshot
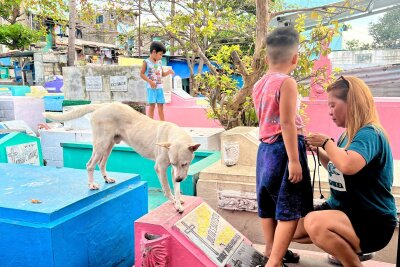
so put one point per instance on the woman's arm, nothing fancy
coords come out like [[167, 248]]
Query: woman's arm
[[347, 161]]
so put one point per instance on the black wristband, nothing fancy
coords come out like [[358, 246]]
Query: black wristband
[[326, 141]]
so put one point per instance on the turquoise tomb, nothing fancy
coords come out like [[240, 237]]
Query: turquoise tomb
[[125, 159], [49, 217]]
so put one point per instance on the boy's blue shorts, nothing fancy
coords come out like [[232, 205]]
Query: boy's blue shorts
[[155, 96], [277, 197]]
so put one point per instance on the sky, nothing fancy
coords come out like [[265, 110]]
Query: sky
[[359, 29]]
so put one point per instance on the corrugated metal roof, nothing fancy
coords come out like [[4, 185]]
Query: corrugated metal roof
[[80, 42], [16, 53], [384, 81], [364, 8]]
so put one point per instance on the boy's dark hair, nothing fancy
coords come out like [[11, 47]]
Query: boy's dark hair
[[281, 42], [158, 47]]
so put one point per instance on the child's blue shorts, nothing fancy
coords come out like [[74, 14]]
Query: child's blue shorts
[[277, 197], [155, 96]]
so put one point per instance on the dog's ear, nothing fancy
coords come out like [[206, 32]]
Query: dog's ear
[[193, 147], [164, 144]]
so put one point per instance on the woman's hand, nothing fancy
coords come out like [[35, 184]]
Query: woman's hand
[[316, 139], [311, 148]]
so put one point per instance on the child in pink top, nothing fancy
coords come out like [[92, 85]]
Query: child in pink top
[[283, 181], [266, 95]]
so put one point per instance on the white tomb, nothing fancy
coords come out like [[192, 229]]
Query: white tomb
[[28, 109]]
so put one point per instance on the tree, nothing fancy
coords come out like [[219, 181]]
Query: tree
[[15, 35], [199, 27], [71, 34], [386, 32], [12, 10], [212, 29], [357, 45], [230, 106], [310, 46], [56, 10], [18, 36]]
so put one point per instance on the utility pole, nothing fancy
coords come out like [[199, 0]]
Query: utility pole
[[71, 34], [1, 46], [139, 34], [172, 41]]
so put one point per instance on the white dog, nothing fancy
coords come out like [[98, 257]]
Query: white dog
[[163, 142]]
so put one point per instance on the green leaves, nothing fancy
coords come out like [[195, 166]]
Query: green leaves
[[355, 44], [10, 10], [54, 9], [18, 36], [230, 34], [386, 32]]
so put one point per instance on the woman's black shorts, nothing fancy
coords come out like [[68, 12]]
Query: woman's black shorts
[[374, 231]]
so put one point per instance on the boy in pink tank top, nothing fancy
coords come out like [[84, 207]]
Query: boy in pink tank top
[[283, 181]]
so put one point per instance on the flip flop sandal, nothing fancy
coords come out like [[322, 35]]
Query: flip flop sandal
[[291, 257], [283, 265]]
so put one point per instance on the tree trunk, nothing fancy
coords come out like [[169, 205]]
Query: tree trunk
[[71, 35], [172, 41], [200, 67], [259, 63], [262, 17], [21, 65]]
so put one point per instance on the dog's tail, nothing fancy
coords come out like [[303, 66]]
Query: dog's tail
[[72, 114]]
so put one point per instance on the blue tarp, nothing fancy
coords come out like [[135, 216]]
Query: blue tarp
[[5, 62], [181, 68]]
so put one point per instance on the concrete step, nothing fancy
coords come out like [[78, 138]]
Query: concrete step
[[320, 259], [236, 173]]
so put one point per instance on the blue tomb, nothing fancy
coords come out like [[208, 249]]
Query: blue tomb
[[53, 102], [69, 225]]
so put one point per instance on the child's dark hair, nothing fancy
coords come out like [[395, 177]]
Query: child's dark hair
[[158, 47], [280, 43]]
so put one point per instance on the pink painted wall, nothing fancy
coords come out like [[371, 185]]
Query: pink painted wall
[[188, 116], [388, 110], [186, 113], [176, 100], [317, 91]]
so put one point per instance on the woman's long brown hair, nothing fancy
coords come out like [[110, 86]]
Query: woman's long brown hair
[[361, 110]]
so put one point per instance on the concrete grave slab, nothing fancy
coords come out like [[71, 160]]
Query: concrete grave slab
[[49, 217]]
